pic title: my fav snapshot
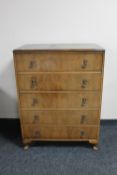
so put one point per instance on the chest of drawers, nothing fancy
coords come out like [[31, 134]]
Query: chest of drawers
[[59, 90]]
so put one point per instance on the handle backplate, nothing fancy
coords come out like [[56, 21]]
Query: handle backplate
[[84, 64], [33, 82], [84, 83], [32, 64], [83, 102], [35, 119], [34, 101], [82, 133], [82, 119]]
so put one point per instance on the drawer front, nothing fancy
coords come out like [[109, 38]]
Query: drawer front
[[48, 132], [60, 117], [60, 81], [61, 61], [60, 100]]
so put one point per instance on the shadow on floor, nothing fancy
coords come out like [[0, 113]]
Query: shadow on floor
[[10, 130]]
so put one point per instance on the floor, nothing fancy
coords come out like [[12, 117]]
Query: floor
[[57, 158]]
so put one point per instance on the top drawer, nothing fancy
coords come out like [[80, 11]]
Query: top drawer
[[58, 61]]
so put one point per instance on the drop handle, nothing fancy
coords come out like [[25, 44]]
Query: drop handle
[[35, 119], [82, 119], [33, 82], [37, 134], [82, 133], [84, 83], [32, 64], [84, 64], [34, 101], [83, 102]]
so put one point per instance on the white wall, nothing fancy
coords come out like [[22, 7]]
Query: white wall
[[57, 21]]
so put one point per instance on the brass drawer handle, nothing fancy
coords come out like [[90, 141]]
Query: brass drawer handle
[[33, 82], [83, 102], [82, 133], [84, 64], [35, 119], [82, 119], [34, 101], [32, 64], [37, 134], [84, 83]]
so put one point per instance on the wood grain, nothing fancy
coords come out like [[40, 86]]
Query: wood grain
[[59, 91], [60, 117], [59, 62], [59, 81], [53, 132], [60, 100]]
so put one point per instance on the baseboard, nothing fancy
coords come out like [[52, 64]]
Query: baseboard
[[108, 121], [9, 115]]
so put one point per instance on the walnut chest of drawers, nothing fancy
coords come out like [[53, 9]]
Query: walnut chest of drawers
[[59, 90]]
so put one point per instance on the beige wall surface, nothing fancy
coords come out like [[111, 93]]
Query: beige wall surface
[[57, 21]]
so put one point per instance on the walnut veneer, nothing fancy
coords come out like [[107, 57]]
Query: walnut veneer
[[59, 90]]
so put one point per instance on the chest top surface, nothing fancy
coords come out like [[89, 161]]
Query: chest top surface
[[58, 47]]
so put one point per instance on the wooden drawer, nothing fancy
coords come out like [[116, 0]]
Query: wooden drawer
[[60, 81], [59, 61], [60, 117], [44, 100], [53, 132]]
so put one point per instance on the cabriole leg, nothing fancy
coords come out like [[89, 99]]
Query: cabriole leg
[[26, 143], [95, 144]]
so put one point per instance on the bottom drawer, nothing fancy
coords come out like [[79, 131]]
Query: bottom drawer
[[53, 132]]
